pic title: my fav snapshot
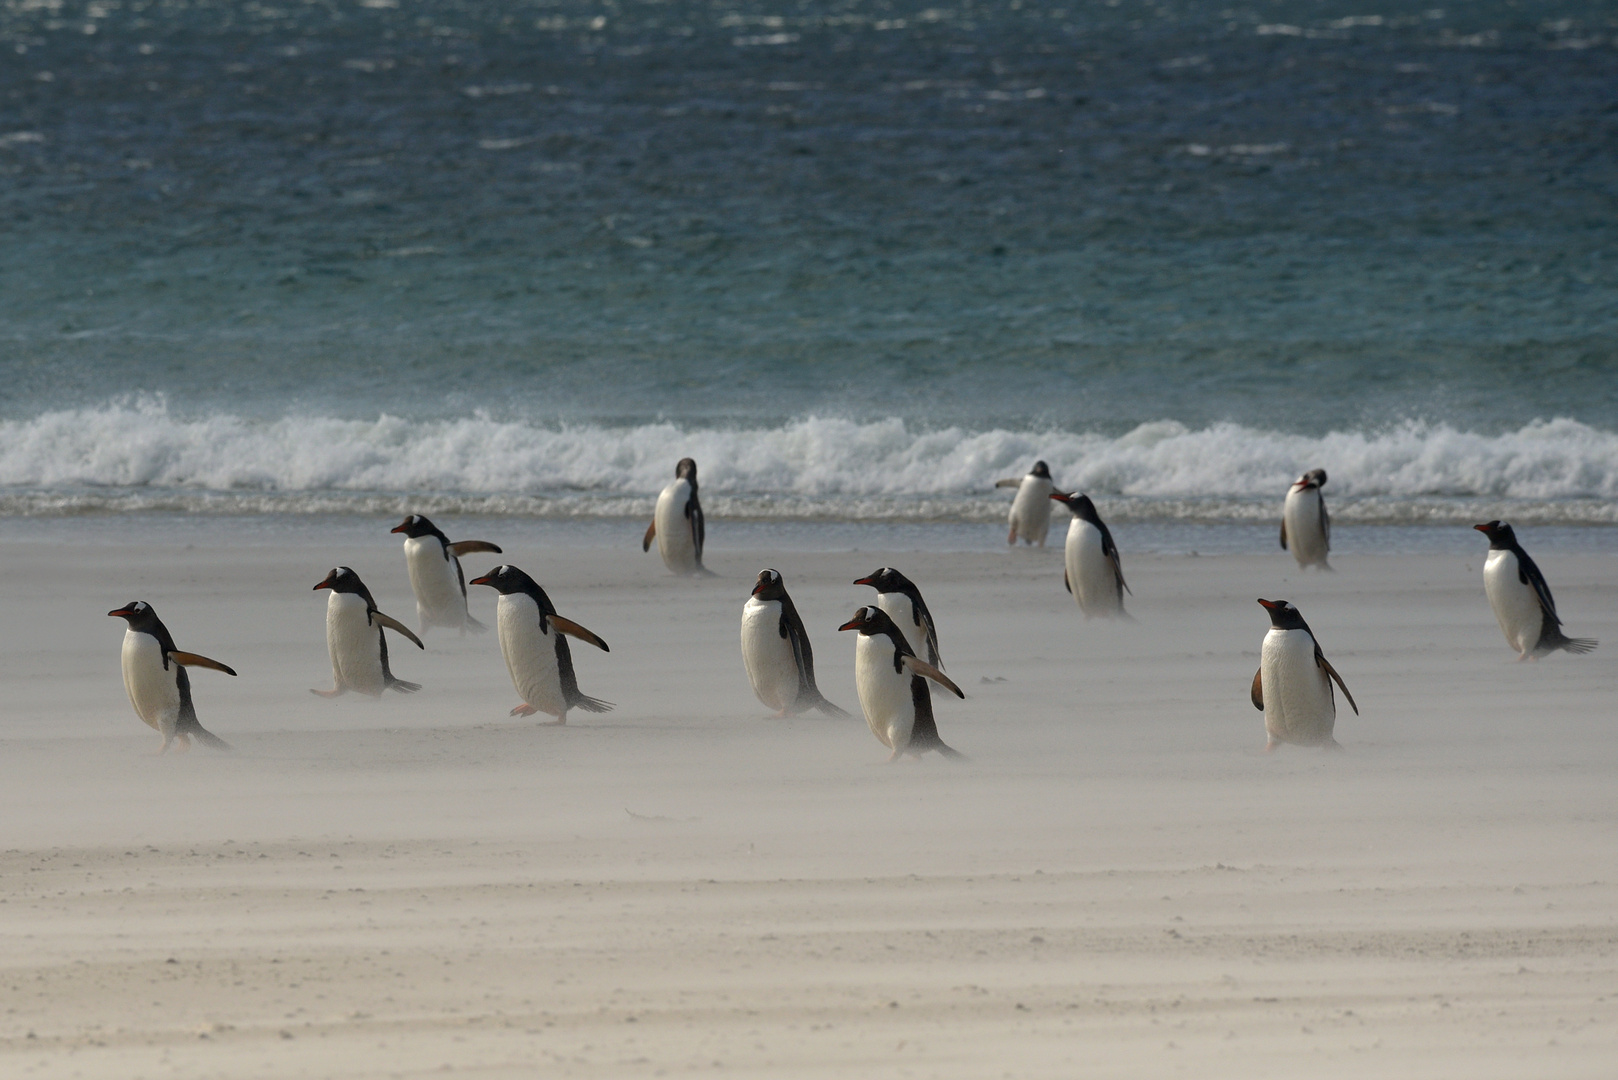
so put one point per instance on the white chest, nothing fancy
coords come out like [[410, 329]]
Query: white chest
[[1089, 572], [1031, 509], [1298, 705], [1306, 532], [354, 644], [884, 693], [675, 540], [530, 652], [439, 601], [771, 666], [1514, 601], [154, 692]]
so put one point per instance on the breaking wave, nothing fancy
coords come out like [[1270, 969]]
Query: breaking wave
[[141, 456]]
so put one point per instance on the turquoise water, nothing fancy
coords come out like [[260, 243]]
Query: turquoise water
[[860, 259]]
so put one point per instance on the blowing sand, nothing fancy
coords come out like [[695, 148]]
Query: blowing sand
[[1117, 883]]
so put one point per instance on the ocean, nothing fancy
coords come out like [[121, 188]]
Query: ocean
[[295, 263]]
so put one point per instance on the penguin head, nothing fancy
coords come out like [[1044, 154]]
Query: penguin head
[[342, 579], [686, 470], [1283, 616], [505, 579], [415, 526], [1499, 533], [886, 580], [1079, 503], [1041, 470], [770, 585], [138, 613], [1316, 477]]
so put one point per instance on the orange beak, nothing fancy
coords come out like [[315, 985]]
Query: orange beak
[[122, 612], [853, 624], [484, 580]]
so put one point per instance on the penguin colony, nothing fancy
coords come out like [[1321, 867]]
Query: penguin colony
[[896, 653]]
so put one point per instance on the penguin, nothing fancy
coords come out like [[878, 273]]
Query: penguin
[[1292, 686], [677, 523], [1522, 600], [359, 651], [537, 655], [1093, 574], [436, 576], [1305, 525], [775, 648], [898, 596], [1030, 516], [892, 684], [156, 680]]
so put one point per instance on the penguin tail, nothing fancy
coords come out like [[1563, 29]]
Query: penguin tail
[[1577, 645], [828, 708], [475, 626], [404, 687], [949, 751], [590, 704], [189, 726]]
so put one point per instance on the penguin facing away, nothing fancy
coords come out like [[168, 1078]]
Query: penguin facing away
[[536, 652], [892, 684], [1521, 599], [901, 599], [678, 525], [1030, 515], [1092, 571], [1305, 524], [1292, 686], [775, 649], [359, 651], [156, 680], [436, 576]]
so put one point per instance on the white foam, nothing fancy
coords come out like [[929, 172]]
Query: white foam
[[143, 455]]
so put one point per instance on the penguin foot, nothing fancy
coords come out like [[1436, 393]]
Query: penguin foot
[[560, 721], [333, 692], [895, 756], [524, 709], [1011, 538], [1269, 747]]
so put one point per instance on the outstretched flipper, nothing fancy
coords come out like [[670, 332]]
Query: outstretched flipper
[[1010, 481], [467, 547], [918, 666], [186, 659], [573, 629], [395, 625]]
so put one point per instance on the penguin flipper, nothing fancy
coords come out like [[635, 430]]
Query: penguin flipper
[[1325, 524], [573, 629], [1066, 584], [699, 525], [467, 547], [1320, 659], [186, 659], [646, 541], [918, 666], [1118, 572], [1257, 691], [1010, 481], [1283, 534], [395, 625]]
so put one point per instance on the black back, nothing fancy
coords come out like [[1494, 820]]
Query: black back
[[687, 470]]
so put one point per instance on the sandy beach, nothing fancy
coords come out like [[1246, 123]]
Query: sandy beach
[[1118, 882]]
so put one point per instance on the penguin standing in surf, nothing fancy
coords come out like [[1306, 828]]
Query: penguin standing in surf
[[1093, 572], [359, 652], [677, 523], [156, 680], [892, 684], [436, 576], [1305, 525], [537, 654], [898, 596], [1030, 516], [1292, 686], [775, 649], [1521, 599]]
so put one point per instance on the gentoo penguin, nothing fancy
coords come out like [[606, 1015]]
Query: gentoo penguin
[[1292, 686], [892, 684], [359, 652], [155, 677], [1521, 600], [898, 596], [1030, 516], [436, 576], [775, 648], [677, 523], [1093, 573], [1305, 525], [536, 653]]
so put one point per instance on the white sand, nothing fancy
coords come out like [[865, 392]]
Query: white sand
[[1118, 883]]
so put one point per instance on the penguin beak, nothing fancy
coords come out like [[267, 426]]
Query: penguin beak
[[401, 527], [858, 581], [1479, 528], [760, 584], [325, 582], [1270, 605], [122, 612], [484, 580], [854, 623]]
